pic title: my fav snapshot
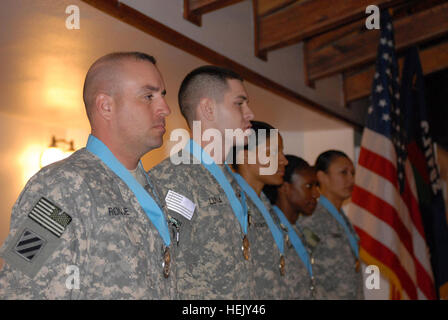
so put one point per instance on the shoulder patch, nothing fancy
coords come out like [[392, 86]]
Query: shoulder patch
[[49, 216], [37, 239], [29, 245]]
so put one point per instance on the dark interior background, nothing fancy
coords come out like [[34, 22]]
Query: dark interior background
[[436, 91]]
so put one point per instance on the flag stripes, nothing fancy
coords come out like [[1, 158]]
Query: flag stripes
[[385, 208], [174, 202], [50, 217], [390, 259], [376, 194]]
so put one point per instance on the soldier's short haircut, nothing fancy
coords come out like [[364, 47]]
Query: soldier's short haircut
[[203, 82], [108, 61]]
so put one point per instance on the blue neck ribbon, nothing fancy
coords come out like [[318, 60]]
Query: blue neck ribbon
[[239, 208], [151, 208], [295, 240], [352, 238], [275, 230]]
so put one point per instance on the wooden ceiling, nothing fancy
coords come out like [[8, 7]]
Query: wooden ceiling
[[335, 39]]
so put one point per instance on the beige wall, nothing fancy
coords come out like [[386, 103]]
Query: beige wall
[[41, 87], [22, 142], [309, 144]]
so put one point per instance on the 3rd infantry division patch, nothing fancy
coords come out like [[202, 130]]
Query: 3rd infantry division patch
[[29, 245]]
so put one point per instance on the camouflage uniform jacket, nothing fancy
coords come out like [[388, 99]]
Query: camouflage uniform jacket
[[209, 258], [297, 279], [264, 253], [109, 239], [332, 258]]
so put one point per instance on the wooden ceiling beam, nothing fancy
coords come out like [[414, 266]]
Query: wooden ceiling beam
[[194, 9], [266, 7], [335, 52], [138, 20], [290, 22], [358, 85]]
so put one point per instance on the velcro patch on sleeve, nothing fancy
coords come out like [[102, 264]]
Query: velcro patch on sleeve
[[49, 216], [29, 245], [37, 238]]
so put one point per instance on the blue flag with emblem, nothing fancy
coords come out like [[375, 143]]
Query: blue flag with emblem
[[421, 154]]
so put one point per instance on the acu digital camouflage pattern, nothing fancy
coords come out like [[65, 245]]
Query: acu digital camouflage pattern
[[332, 257], [209, 258], [297, 280], [264, 254], [265, 259], [118, 256]]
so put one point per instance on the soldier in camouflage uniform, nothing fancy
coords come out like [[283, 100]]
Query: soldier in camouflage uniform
[[265, 253], [77, 230], [209, 257], [297, 279], [296, 197], [335, 262]]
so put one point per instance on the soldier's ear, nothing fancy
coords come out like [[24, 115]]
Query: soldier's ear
[[322, 178], [285, 188], [104, 106], [206, 109]]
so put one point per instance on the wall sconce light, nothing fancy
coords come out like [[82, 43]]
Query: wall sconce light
[[54, 153]]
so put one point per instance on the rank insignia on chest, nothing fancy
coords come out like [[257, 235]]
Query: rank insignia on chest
[[215, 200], [311, 239]]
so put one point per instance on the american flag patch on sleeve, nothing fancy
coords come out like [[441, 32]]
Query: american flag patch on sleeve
[[49, 216]]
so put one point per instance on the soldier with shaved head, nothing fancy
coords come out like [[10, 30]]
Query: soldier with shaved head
[[92, 226], [213, 259]]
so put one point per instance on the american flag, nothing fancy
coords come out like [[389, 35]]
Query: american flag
[[385, 209]]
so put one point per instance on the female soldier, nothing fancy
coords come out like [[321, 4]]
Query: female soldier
[[296, 196], [335, 253], [265, 237]]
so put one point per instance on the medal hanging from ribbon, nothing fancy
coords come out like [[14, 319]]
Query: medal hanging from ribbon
[[277, 234], [166, 255], [149, 206], [296, 242], [238, 208]]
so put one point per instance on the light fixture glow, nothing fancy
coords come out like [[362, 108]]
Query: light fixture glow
[[54, 153]]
